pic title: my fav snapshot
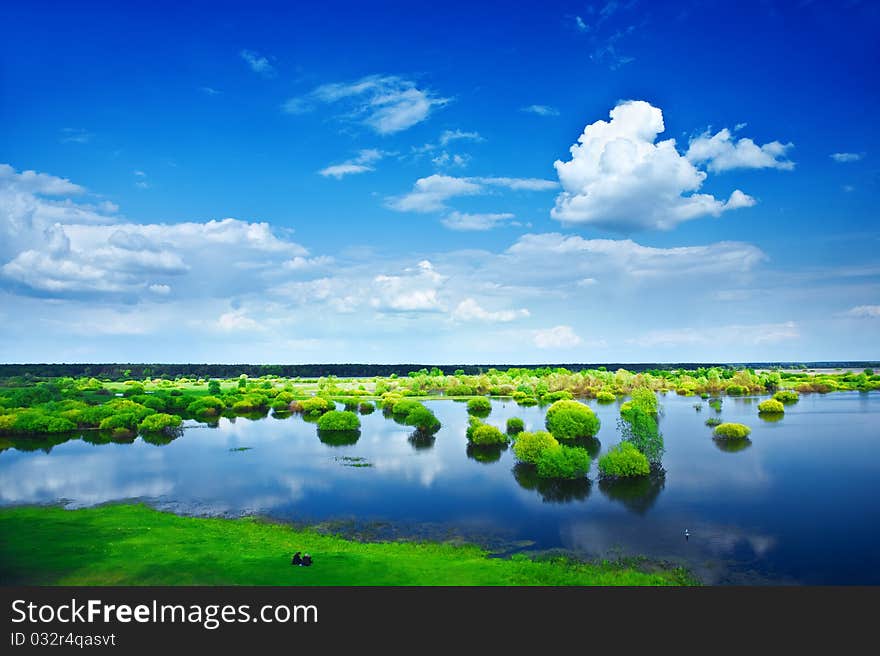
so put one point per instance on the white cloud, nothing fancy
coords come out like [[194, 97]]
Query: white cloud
[[470, 310], [576, 256], [865, 312], [463, 221], [721, 152], [430, 194], [360, 164], [387, 104], [619, 179], [300, 263], [414, 291], [558, 337], [843, 158], [541, 110], [124, 258], [339, 171], [445, 160], [757, 334], [258, 63], [211, 91], [457, 135], [37, 183], [237, 320]]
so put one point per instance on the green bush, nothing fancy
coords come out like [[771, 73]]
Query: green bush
[[552, 397], [206, 406], [527, 401], [316, 405], [484, 434], [563, 462], [771, 407], [640, 428], [624, 460], [570, 420], [528, 446], [125, 420], [366, 408], [605, 397], [403, 407], [339, 420], [731, 431], [159, 422], [735, 390], [459, 390], [713, 421], [515, 425], [423, 419], [479, 405], [645, 399], [787, 396]]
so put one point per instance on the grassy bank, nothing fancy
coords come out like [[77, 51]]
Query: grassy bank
[[136, 545]]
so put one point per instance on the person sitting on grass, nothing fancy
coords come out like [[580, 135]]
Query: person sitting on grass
[[297, 559], [307, 560]]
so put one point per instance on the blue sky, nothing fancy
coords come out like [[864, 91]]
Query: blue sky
[[564, 182]]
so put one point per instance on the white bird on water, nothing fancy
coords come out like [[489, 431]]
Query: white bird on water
[[687, 534]]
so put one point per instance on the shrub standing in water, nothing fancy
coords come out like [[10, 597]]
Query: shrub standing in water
[[528, 447], [159, 423], [786, 396], [515, 425], [731, 431], [484, 434], [623, 461], [771, 407], [479, 405], [339, 420], [570, 420], [423, 419], [605, 397], [640, 429], [563, 462]]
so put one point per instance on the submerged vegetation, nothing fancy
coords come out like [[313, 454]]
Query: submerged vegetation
[[122, 407]]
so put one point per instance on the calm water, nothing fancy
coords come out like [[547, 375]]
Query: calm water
[[799, 504]]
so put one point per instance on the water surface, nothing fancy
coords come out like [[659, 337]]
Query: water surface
[[797, 504]]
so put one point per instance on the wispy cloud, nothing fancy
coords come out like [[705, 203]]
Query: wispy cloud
[[558, 337], [605, 28], [359, 164], [541, 110], [843, 158], [384, 103], [140, 180], [210, 91], [431, 193], [475, 222], [259, 63], [458, 135]]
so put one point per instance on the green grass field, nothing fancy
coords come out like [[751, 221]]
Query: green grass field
[[136, 545]]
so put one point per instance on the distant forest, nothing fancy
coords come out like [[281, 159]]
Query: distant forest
[[120, 371]]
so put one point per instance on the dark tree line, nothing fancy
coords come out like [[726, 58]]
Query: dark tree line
[[122, 371]]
